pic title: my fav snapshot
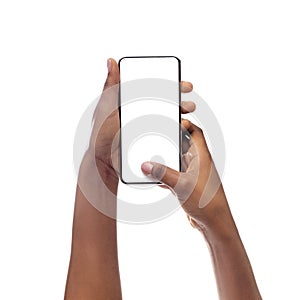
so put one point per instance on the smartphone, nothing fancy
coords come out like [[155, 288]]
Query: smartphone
[[150, 115]]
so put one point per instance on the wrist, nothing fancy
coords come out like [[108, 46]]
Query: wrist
[[97, 175], [217, 225]]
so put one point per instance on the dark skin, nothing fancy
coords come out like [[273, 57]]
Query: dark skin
[[93, 271]]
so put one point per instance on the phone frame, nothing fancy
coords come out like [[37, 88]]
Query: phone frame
[[179, 110]]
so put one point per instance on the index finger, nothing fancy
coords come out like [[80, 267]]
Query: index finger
[[196, 134]]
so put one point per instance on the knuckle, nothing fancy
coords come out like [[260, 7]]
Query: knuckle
[[199, 130], [158, 171]]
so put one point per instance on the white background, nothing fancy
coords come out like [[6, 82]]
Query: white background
[[243, 58]]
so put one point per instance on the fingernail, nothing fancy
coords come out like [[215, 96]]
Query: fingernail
[[147, 168], [109, 65]]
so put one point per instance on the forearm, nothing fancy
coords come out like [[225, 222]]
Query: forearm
[[93, 271], [234, 275]]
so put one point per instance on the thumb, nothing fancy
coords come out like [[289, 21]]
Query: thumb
[[161, 173], [113, 75]]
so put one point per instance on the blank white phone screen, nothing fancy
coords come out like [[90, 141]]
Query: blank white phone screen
[[149, 114]]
